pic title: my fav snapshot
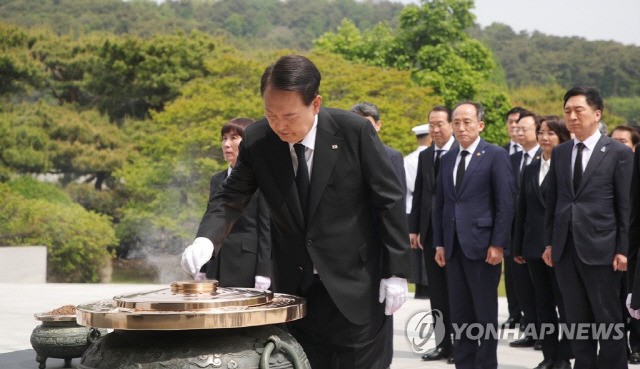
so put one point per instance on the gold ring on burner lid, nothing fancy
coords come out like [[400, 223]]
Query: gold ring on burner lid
[[202, 286]]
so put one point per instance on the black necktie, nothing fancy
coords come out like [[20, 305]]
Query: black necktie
[[577, 168], [516, 148], [461, 169], [302, 177], [436, 165]]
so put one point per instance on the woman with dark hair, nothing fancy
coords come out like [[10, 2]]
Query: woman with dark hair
[[245, 259], [528, 243]]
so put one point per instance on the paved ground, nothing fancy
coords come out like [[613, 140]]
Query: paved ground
[[19, 302]]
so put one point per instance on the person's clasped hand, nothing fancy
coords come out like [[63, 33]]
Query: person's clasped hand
[[633, 312], [196, 255], [393, 291]]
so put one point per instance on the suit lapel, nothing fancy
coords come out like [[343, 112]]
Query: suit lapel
[[564, 169], [535, 169], [325, 155], [428, 165], [599, 152], [475, 160], [279, 158]]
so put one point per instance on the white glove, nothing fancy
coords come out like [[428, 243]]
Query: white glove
[[262, 283], [634, 313], [200, 276], [394, 290], [196, 255]]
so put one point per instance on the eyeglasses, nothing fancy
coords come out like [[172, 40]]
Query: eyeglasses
[[521, 130]]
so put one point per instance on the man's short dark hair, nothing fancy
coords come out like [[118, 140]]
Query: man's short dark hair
[[293, 73], [366, 109], [536, 118], [236, 125], [591, 95], [516, 110], [442, 109], [635, 135], [478, 106]]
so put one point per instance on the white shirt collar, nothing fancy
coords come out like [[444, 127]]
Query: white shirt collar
[[590, 142], [472, 148], [532, 152], [447, 145], [309, 141], [229, 170]]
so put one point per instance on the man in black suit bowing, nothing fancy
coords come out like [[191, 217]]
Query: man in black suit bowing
[[586, 227], [420, 229], [338, 226], [472, 220]]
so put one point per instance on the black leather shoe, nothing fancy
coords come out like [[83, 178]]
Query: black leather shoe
[[451, 359], [546, 364], [538, 345], [511, 323], [562, 364], [634, 358], [437, 353], [523, 342]]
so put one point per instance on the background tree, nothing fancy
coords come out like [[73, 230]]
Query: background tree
[[77, 241], [431, 42]]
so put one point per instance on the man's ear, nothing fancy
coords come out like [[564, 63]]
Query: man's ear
[[317, 101]]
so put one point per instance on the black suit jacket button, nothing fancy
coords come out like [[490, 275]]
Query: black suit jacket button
[[457, 202], [309, 242]]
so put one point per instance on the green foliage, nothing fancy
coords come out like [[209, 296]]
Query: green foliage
[[18, 70], [539, 59], [430, 41], [132, 77], [77, 241], [402, 103], [29, 188], [625, 107], [248, 23], [39, 138]]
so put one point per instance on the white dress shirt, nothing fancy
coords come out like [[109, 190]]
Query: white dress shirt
[[514, 149], [544, 169], [589, 145], [530, 155], [471, 149], [410, 171], [309, 142]]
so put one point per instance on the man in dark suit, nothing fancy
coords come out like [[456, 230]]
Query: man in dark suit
[[512, 147], [525, 132], [246, 260], [586, 226], [420, 226], [472, 220], [338, 226], [372, 114]]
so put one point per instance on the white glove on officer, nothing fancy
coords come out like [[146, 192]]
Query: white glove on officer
[[262, 283], [394, 290], [634, 313], [196, 255]]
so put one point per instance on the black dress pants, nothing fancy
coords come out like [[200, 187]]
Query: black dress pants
[[331, 341]]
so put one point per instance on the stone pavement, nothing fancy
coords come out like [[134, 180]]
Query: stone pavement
[[20, 301]]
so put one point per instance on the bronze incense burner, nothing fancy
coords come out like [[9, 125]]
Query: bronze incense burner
[[194, 324]]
